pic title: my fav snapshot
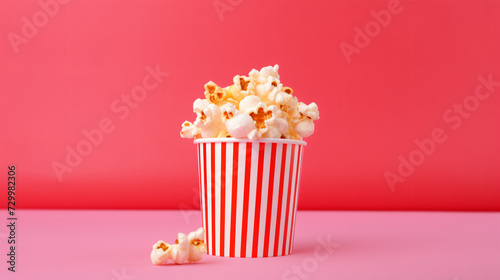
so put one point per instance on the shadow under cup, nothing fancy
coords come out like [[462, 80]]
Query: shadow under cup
[[249, 193]]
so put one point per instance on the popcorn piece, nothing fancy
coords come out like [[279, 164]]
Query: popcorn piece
[[249, 103], [310, 111], [288, 90], [268, 90], [187, 248], [304, 125], [243, 126], [216, 95], [261, 77], [266, 119], [283, 100], [273, 126], [190, 131], [213, 93], [304, 128], [239, 125], [199, 105], [228, 111], [208, 119], [288, 105], [180, 251], [242, 87], [161, 252], [197, 245]]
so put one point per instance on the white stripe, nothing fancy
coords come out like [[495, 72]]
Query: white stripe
[[252, 197], [229, 186], [239, 202], [292, 193], [284, 198], [263, 205], [202, 186], [297, 195], [218, 174], [209, 195], [275, 187]]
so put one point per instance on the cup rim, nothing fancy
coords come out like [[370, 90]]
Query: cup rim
[[262, 140]]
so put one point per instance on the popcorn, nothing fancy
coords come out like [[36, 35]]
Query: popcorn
[[261, 77], [180, 251], [310, 111], [255, 106], [209, 119], [283, 99], [197, 245], [213, 93], [228, 111], [269, 89], [242, 126], [249, 103], [190, 131], [304, 125], [216, 95], [239, 125], [242, 87], [266, 119], [161, 252], [187, 248]]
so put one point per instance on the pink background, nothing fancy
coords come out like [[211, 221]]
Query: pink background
[[395, 90]]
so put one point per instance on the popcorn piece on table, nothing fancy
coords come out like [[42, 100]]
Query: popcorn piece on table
[[180, 251], [187, 248], [161, 252], [197, 245]]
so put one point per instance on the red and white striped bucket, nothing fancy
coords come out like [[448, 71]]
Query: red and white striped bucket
[[249, 193]]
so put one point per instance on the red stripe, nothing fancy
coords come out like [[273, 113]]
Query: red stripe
[[287, 205], [205, 190], [270, 199], [222, 196], [248, 165], [212, 195], [294, 196], [258, 197], [280, 201], [234, 195]]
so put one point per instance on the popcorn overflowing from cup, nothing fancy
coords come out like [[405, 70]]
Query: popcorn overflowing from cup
[[187, 248], [255, 106]]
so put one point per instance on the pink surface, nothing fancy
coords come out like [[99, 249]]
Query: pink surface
[[363, 245], [68, 69]]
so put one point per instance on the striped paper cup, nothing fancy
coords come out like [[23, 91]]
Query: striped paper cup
[[249, 193]]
